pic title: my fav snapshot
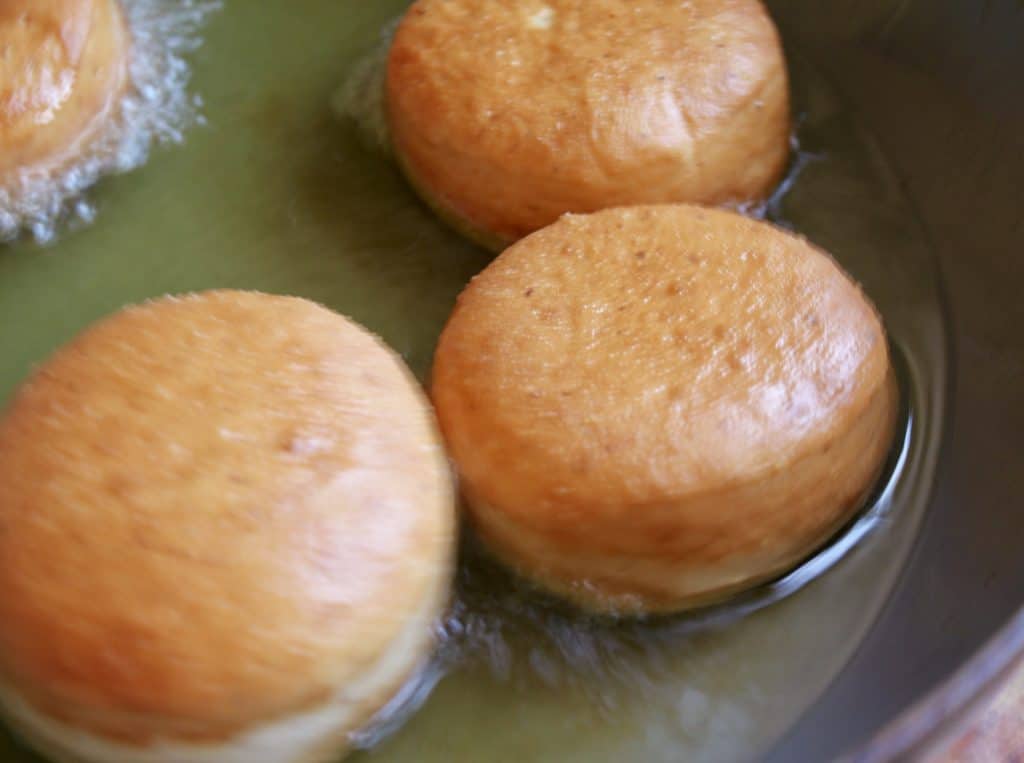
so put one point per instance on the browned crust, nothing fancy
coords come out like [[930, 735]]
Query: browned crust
[[662, 402], [505, 126], [65, 63], [214, 512]]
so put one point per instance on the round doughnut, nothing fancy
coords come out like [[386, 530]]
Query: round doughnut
[[505, 115], [226, 534], [653, 408], [62, 67]]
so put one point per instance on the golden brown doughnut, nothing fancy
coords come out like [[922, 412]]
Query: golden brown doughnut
[[506, 115], [226, 534], [63, 65], [651, 408]]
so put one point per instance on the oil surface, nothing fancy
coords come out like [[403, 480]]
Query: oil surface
[[275, 194]]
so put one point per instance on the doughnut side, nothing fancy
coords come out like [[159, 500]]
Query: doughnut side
[[317, 735], [704, 548]]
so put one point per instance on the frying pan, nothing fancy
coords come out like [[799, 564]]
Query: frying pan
[[940, 86], [940, 83]]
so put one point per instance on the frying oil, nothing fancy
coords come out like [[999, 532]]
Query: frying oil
[[277, 193]]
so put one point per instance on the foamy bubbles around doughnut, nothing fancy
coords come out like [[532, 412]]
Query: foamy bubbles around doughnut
[[361, 97], [157, 108]]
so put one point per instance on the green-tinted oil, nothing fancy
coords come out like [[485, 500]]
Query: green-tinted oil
[[273, 194]]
